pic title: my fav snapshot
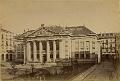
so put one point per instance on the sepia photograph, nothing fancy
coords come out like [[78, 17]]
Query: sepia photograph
[[59, 40]]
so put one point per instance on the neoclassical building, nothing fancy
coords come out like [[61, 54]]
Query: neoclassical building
[[48, 44]]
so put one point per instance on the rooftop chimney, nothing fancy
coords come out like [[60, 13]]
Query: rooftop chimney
[[42, 25]]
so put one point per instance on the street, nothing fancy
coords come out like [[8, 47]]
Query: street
[[101, 72]]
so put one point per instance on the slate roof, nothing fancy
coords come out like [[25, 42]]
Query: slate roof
[[57, 30], [79, 30]]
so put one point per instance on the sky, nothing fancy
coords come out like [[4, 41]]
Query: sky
[[97, 15]]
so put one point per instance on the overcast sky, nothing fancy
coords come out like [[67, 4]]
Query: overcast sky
[[97, 15]]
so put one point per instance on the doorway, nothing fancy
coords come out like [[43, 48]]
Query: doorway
[[44, 58]]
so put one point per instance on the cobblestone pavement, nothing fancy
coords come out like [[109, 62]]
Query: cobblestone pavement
[[101, 72]]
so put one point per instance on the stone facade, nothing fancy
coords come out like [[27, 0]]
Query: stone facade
[[6, 45], [50, 44], [108, 45]]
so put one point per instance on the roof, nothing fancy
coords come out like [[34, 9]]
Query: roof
[[49, 31], [79, 30], [57, 30], [6, 31], [24, 34], [106, 35]]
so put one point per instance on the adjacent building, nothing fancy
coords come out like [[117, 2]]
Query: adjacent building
[[6, 45], [108, 45], [118, 44], [53, 43], [20, 46]]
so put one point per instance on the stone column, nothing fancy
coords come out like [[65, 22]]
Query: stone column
[[40, 52], [62, 49], [98, 51], [85, 49], [91, 49], [48, 52], [28, 51], [35, 51], [5, 57], [54, 50], [25, 53]]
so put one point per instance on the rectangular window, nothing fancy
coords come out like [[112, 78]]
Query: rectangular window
[[51, 45], [51, 55], [113, 50], [109, 50], [76, 56], [82, 45], [57, 56], [106, 41], [6, 56], [113, 45], [82, 56], [104, 50], [93, 45], [57, 45], [2, 56], [87, 56], [66, 45], [11, 57], [87, 45]]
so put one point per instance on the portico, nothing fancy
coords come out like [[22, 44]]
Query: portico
[[43, 51]]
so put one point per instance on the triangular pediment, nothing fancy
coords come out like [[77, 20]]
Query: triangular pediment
[[41, 32]]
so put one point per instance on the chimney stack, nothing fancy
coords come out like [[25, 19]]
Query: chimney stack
[[42, 25], [24, 30]]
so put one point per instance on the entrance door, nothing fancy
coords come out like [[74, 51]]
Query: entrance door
[[44, 58], [11, 57]]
